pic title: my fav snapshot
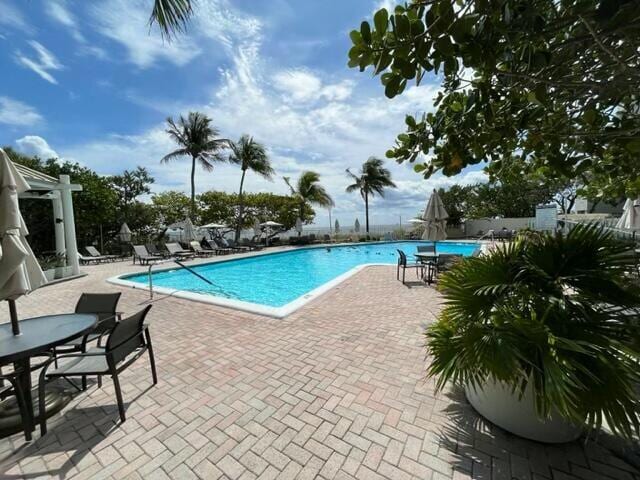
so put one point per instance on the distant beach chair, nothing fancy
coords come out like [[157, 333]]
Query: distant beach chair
[[94, 253], [153, 250], [253, 244], [176, 251], [144, 257], [199, 251]]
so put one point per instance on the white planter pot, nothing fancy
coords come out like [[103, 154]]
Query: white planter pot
[[496, 403]]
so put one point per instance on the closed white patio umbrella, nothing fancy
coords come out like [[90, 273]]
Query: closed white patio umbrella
[[435, 218], [257, 229], [356, 226], [299, 226], [188, 230], [336, 227], [630, 219], [20, 272], [125, 233]]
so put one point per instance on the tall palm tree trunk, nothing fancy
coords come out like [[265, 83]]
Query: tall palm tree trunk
[[301, 213], [240, 207], [193, 186], [366, 211]]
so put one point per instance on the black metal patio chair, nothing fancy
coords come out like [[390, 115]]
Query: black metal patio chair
[[104, 306], [430, 248], [404, 264], [128, 340]]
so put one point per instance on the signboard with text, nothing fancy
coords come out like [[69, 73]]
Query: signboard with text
[[546, 217]]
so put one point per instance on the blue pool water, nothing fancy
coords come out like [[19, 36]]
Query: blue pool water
[[279, 278]]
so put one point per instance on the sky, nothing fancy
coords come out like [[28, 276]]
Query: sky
[[90, 82]]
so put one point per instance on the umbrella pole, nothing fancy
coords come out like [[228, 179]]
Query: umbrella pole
[[14, 317]]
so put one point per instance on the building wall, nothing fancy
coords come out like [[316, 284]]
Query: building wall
[[583, 205]]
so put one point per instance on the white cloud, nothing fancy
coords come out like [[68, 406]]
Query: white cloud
[[12, 18], [37, 146], [390, 5], [301, 85], [308, 119], [16, 113], [59, 12], [44, 61], [127, 23]]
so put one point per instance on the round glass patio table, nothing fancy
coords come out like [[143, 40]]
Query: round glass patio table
[[37, 335]]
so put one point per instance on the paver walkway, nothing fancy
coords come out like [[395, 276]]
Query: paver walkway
[[336, 390]]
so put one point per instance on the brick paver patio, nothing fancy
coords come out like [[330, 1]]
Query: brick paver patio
[[336, 390]]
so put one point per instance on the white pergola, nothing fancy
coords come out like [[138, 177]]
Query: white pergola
[[46, 187]]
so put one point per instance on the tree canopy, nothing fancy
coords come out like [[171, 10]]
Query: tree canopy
[[553, 84], [197, 138]]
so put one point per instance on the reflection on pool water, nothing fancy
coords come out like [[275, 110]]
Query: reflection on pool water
[[277, 279]]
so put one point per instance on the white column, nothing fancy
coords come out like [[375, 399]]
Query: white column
[[58, 224], [69, 225]]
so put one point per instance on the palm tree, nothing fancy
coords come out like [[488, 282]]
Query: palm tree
[[309, 190], [171, 16], [373, 179], [250, 155], [197, 139]]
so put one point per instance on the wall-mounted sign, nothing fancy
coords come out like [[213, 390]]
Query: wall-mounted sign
[[546, 217]]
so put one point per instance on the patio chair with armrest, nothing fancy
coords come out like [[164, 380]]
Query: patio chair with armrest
[[104, 306], [176, 251], [144, 257], [154, 250], [241, 248], [224, 243], [199, 251], [213, 246], [404, 264], [93, 252], [87, 259], [127, 341], [447, 260], [255, 243]]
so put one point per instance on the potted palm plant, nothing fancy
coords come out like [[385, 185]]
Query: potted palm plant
[[543, 334]]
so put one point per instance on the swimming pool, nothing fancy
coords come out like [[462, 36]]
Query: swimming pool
[[278, 283]]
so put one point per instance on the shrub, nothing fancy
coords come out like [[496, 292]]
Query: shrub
[[559, 311]]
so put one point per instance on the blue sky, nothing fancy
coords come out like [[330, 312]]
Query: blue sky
[[89, 82]]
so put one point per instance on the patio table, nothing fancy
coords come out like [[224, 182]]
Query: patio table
[[38, 335], [429, 259]]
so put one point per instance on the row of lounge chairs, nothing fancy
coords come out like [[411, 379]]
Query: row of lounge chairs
[[218, 246]]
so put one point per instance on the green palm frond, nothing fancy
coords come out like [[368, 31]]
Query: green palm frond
[[171, 16], [557, 311], [251, 155], [373, 178]]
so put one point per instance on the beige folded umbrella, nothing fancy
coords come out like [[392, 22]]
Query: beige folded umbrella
[[435, 218], [20, 272], [188, 230]]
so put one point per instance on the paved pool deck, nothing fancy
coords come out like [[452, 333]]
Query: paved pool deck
[[336, 390]]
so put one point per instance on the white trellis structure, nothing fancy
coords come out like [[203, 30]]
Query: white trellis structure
[[58, 191]]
